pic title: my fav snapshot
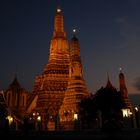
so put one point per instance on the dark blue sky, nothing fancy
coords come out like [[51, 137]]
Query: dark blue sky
[[108, 30]]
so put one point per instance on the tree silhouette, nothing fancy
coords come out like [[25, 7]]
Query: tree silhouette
[[106, 100]]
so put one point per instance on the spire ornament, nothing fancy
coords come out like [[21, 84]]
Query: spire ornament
[[58, 9]]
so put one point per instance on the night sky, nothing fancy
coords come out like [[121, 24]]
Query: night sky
[[108, 31]]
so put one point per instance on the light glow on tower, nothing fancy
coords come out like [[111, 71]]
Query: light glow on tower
[[58, 10], [126, 112], [74, 30]]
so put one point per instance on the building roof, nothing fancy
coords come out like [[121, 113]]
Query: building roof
[[109, 84], [15, 86]]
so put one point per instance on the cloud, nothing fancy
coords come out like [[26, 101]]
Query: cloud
[[137, 83]]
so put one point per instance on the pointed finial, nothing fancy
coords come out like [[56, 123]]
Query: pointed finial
[[108, 85], [16, 71], [74, 32], [120, 69], [58, 9], [74, 38], [107, 76]]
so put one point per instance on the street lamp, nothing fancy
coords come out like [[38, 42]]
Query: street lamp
[[137, 117], [10, 119], [136, 109], [75, 116], [39, 118], [76, 121]]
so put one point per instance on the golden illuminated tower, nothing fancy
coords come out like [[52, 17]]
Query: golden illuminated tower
[[50, 86], [123, 91], [76, 90]]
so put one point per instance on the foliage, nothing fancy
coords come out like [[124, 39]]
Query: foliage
[[107, 101]]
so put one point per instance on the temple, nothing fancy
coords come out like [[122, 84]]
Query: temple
[[59, 93], [16, 100]]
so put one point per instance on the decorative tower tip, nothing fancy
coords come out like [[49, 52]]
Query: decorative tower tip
[[58, 9], [74, 32], [108, 82], [120, 69]]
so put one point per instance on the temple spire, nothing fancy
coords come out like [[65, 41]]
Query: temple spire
[[76, 89], [108, 85], [58, 10], [123, 88], [123, 91], [120, 69], [59, 24], [50, 86], [74, 32], [15, 83]]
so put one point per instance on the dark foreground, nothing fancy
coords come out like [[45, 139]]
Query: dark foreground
[[131, 134]]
